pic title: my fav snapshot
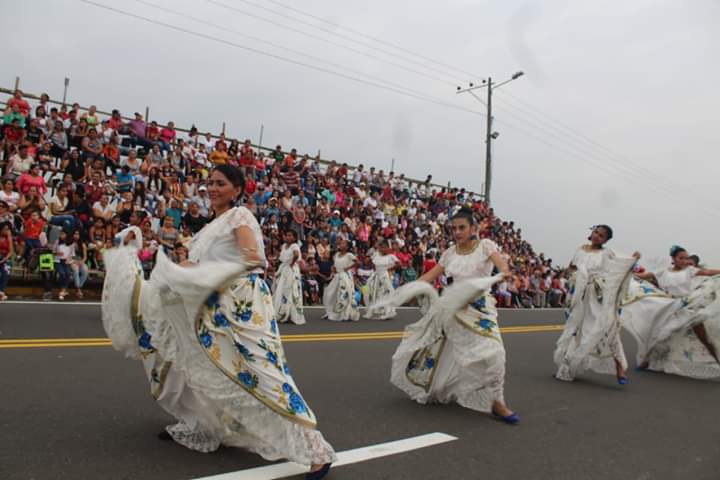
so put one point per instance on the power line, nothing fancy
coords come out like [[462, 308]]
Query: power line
[[340, 45], [538, 113], [281, 58], [282, 47], [375, 39], [623, 161], [345, 37]]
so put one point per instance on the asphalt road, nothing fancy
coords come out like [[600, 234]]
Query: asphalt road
[[86, 412]]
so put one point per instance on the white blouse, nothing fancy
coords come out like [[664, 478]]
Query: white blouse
[[343, 262], [677, 283], [217, 241], [383, 263], [591, 259], [476, 264]]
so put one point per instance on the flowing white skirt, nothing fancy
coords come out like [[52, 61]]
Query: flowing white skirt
[[455, 352], [591, 338], [287, 295], [379, 286], [663, 328], [211, 407], [339, 298]]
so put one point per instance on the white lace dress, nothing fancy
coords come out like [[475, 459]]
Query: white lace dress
[[662, 321], [339, 296], [231, 384], [591, 338], [379, 286], [287, 289], [455, 352]]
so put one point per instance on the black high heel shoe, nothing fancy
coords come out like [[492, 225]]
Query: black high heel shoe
[[317, 475], [164, 435]]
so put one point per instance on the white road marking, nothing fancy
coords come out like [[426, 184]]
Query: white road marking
[[309, 307], [281, 470]]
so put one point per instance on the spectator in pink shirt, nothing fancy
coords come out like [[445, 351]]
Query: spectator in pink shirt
[[167, 136], [32, 179]]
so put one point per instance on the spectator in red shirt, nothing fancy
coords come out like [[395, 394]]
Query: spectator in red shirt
[[33, 227], [20, 102], [291, 179], [116, 122], [291, 158]]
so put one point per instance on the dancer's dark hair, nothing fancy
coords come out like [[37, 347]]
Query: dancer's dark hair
[[608, 230], [695, 259], [233, 174], [465, 213], [675, 250]]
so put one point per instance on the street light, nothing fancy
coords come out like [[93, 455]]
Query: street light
[[489, 134]]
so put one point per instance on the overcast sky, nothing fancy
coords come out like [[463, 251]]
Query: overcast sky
[[633, 86]]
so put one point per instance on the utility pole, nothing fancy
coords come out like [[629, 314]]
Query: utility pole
[[488, 139], [489, 134]]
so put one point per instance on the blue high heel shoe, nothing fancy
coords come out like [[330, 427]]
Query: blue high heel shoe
[[317, 475], [623, 380], [512, 419]]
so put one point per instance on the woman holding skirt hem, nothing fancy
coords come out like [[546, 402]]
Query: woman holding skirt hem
[[233, 385], [676, 319], [339, 296], [379, 285], [455, 352], [287, 288], [591, 338]]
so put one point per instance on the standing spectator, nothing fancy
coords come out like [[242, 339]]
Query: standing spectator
[[77, 264], [59, 140], [63, 258], [6, 254]]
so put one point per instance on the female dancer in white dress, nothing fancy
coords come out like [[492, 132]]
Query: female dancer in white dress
[[591, 338], [677, 326], [287, 289], [455, 351], [222, 370], [339, 297], [379, 285]]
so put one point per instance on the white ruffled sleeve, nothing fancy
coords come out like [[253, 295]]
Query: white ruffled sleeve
[[445, 257], [488, 247], [239, 217]]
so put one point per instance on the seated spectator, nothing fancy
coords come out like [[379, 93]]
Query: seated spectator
[[9, 195], [61, 214], [30, 201], [219, 155], [137, 129], [104, 208], [21, 162], [17, 102], [193, 219], [203, 201], [78, 133]]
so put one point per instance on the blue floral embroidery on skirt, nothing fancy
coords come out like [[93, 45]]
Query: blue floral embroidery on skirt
[[213, 300], [221, 320], [145, 341], [206, 339]]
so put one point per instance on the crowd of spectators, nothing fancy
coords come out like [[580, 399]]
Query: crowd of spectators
[[72, 180]]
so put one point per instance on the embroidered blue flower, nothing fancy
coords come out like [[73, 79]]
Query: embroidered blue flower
[[252, 277], [273, 326], [248, 379], [478, 304], [221, 320], [264, 288], [284, 300], [429, 362], [646, 289], [272, 357], [206, 339], [486, 324], [287, 388], [245, 314], [245, 352], [213, 300], [296, 403], [286, 369], [145, 341]]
